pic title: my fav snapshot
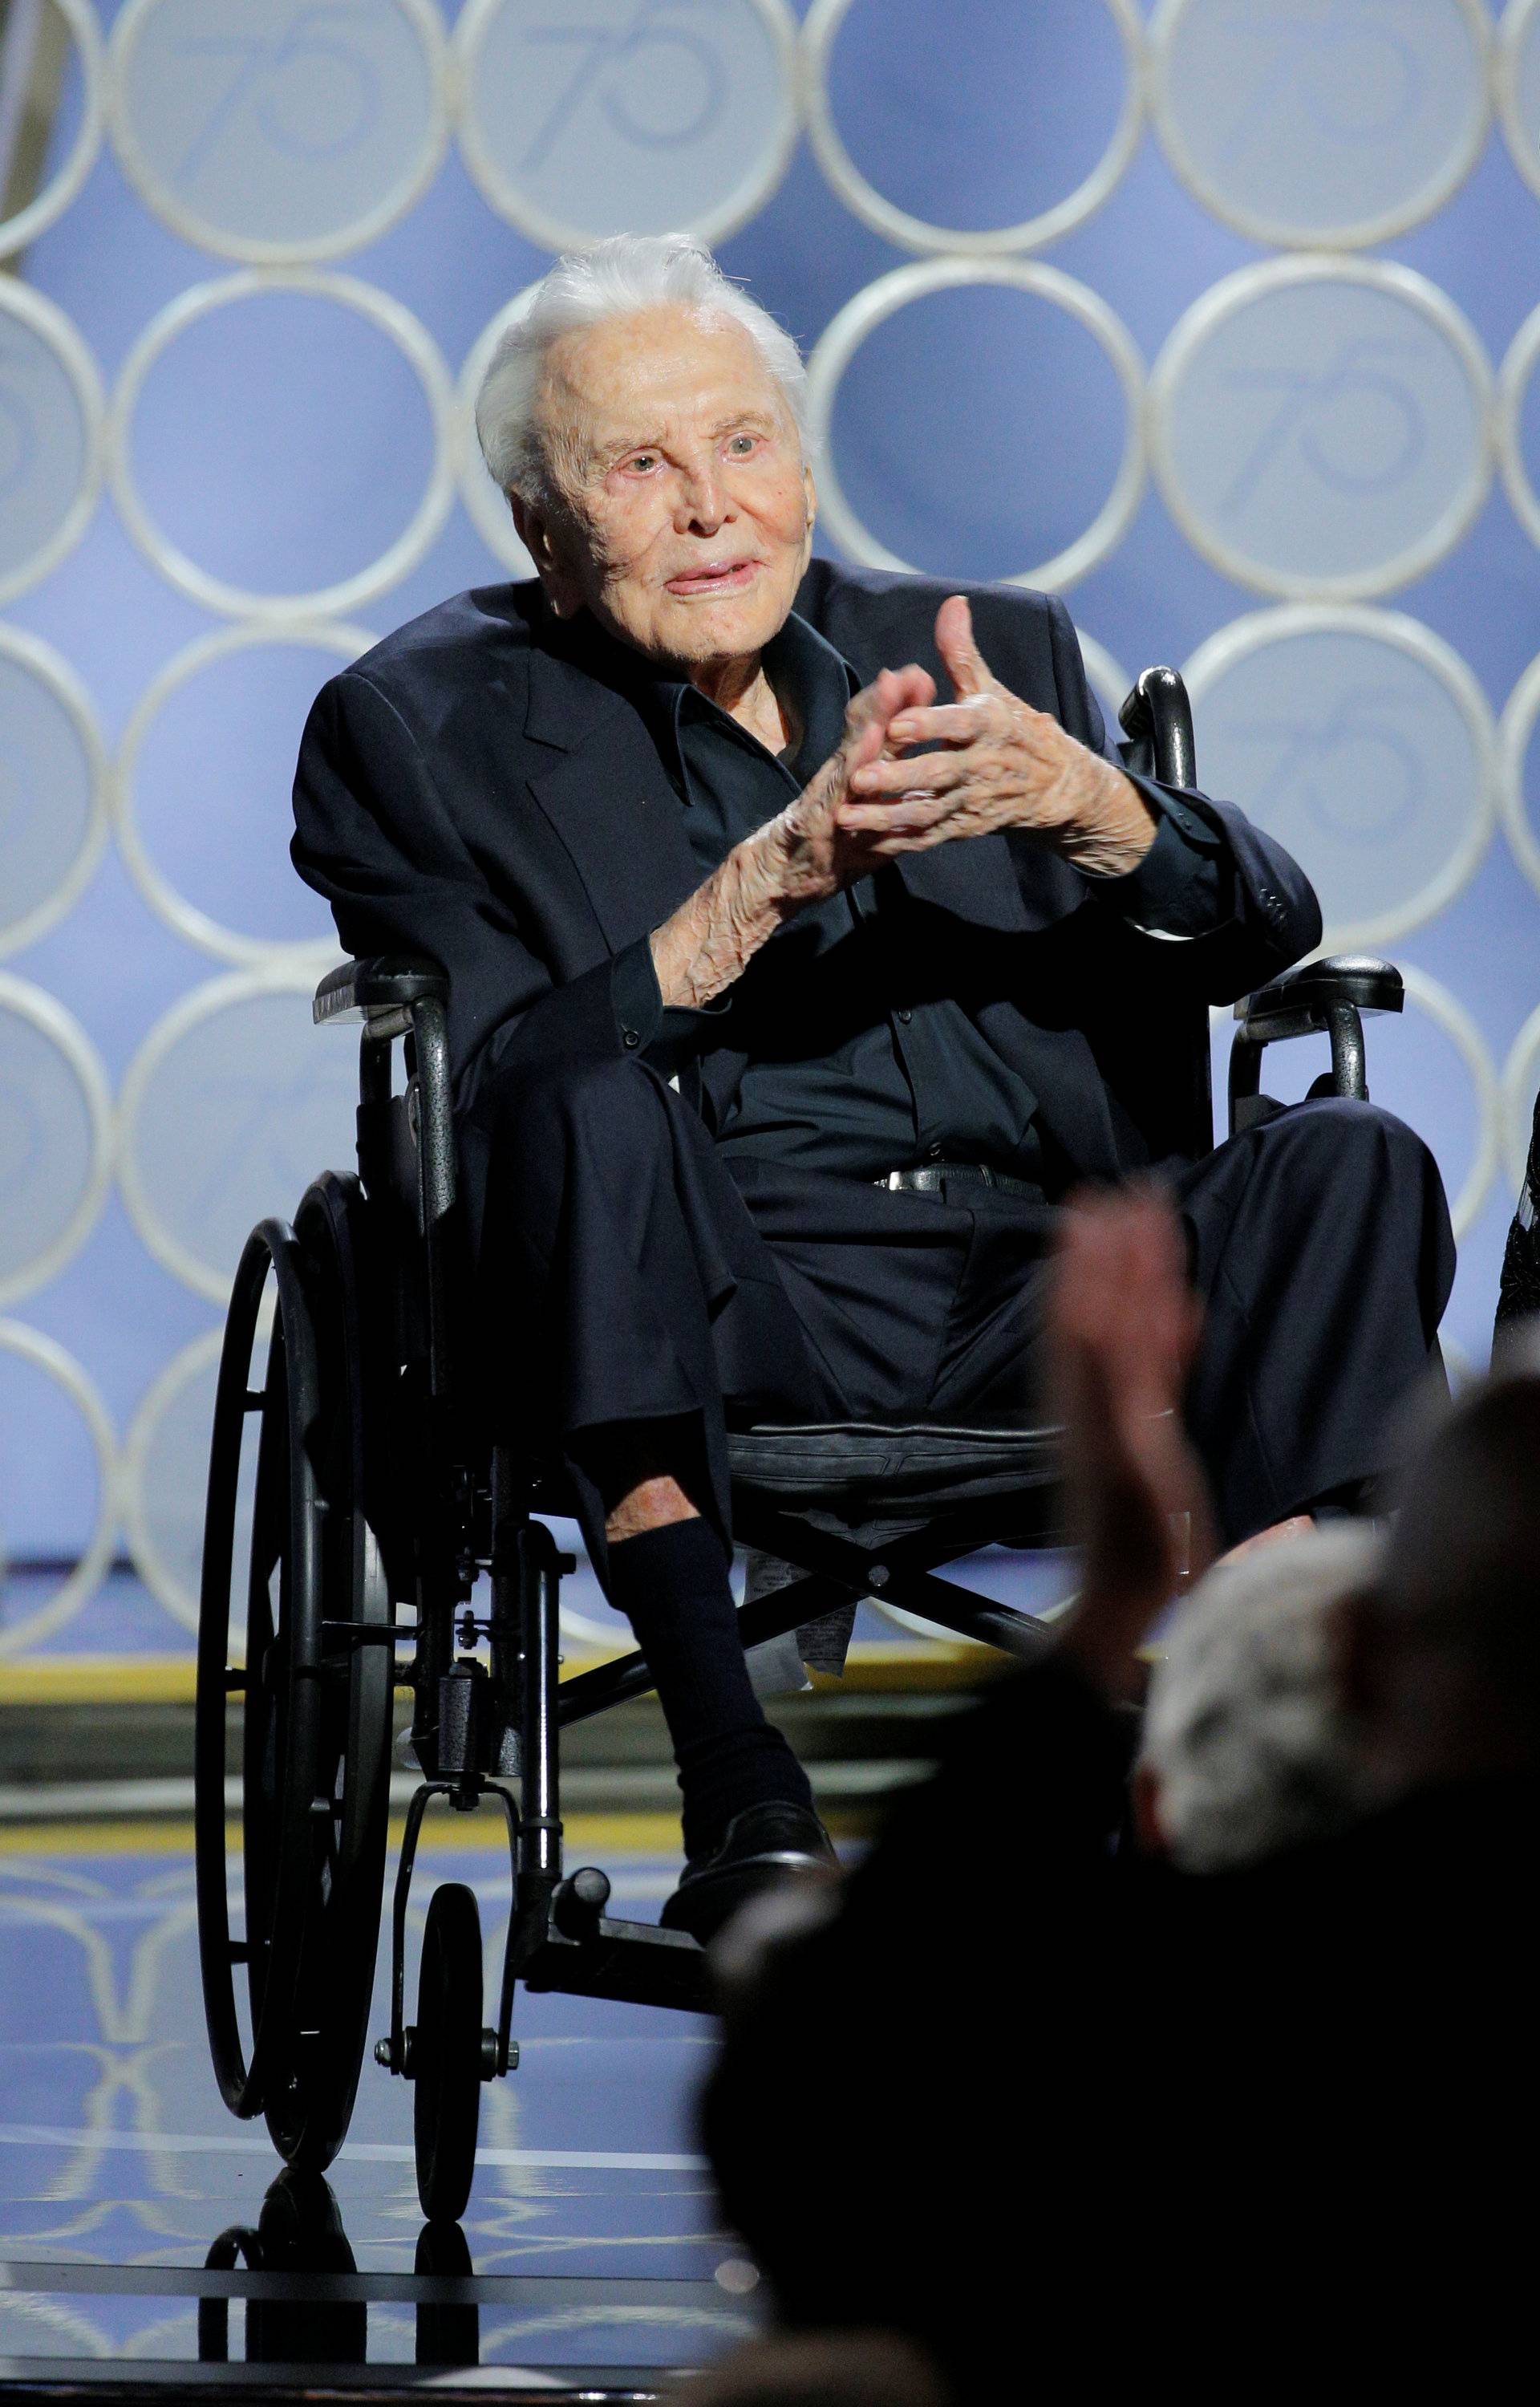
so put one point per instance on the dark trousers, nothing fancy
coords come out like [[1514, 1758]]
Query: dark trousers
[[630, 1275]]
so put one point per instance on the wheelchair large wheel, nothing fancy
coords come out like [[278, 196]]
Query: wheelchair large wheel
[[314, 1702], [299, 2231], [448, 2058]]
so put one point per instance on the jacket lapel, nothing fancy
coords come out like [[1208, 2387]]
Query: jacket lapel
[[608, 798]]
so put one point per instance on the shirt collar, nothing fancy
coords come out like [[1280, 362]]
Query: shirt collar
[[803, 666]]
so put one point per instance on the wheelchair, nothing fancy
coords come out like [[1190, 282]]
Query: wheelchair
[[379, 1498]]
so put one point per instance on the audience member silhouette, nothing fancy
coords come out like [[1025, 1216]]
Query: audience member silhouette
[[1021, 2085]]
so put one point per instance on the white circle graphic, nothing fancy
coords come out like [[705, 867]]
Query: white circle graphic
[[1426, 995], [861, 196], [55, 1136], [1518, 86], [1361, 741], [159, 887], [1520, 1079], [1514, 734], [846, 334], [626, 116], [164, 1477], [78, 18], [275, 129], [378, 309], [485, 502], [1320, 427], [34, 1372], [1333, 123], [51, 436], [1514, 385], [53, 818], [230, 1108]]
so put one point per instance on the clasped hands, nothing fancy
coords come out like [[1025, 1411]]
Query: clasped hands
[[1001, 765]]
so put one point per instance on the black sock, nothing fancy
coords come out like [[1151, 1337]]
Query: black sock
[[672, 1586]]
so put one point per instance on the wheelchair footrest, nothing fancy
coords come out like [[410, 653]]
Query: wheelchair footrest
[[636, 1963]]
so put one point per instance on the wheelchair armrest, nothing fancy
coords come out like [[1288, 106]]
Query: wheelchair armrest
[[1327, 997], [390, 982], [1305, 994]]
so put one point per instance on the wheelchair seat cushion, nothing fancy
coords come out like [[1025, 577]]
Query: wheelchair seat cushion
[[921, 1463]]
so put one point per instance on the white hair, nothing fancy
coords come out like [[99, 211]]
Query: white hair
[[1249, 1743], [613, 279]]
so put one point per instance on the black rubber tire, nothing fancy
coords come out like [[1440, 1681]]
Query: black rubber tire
[[445, 2060], [446, 2334], [300, 2231], [315, 1709]]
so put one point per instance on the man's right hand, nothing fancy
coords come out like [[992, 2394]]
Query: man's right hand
[[800, 857], [806, 853]]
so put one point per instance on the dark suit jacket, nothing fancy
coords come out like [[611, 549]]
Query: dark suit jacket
[[474, 790]]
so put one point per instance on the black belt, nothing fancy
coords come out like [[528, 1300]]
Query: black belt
[[933, 1177]]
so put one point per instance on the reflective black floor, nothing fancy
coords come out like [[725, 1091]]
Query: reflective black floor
[[589, 2249]]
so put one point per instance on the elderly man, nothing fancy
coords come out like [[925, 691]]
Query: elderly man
[[787, 1000]]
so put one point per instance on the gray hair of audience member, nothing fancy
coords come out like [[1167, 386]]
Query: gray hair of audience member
[[614, 279], [1247, 1747]]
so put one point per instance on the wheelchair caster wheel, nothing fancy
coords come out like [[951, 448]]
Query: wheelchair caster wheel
[[447, 2054], [447, 2335]]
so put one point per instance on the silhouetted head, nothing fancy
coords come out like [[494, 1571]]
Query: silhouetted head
[[1443, 1660]]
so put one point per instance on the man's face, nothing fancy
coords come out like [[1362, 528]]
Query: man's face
[[684, 517]]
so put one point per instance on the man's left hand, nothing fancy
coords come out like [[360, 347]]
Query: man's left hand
[[1002, 765]]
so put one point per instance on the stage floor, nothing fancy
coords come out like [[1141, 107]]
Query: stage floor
[[591, 2230]]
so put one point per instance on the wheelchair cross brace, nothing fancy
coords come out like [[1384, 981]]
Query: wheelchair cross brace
[[839, 1571]]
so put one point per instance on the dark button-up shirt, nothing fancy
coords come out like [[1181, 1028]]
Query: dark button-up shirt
[[862, 1054]]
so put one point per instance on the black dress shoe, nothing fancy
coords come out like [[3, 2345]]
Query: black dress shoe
[[760, 1847]]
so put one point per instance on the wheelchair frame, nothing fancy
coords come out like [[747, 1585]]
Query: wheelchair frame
[[375, 1496]]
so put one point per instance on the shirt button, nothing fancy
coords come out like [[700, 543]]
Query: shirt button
[[933, 1153], [906, 1016], [629, 1038]]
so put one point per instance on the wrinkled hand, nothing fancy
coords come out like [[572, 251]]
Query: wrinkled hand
[[800, 856], [811, 850], [1002, 765], [1123, 1328]]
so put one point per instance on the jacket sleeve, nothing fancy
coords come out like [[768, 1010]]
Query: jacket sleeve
[[373, 836], [1262, 913]]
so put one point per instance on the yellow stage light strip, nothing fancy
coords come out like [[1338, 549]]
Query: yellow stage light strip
[[585, 1836], [875, 1668]]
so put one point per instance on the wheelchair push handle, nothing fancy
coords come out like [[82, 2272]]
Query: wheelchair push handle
[[1157, 718], [406, 996]]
